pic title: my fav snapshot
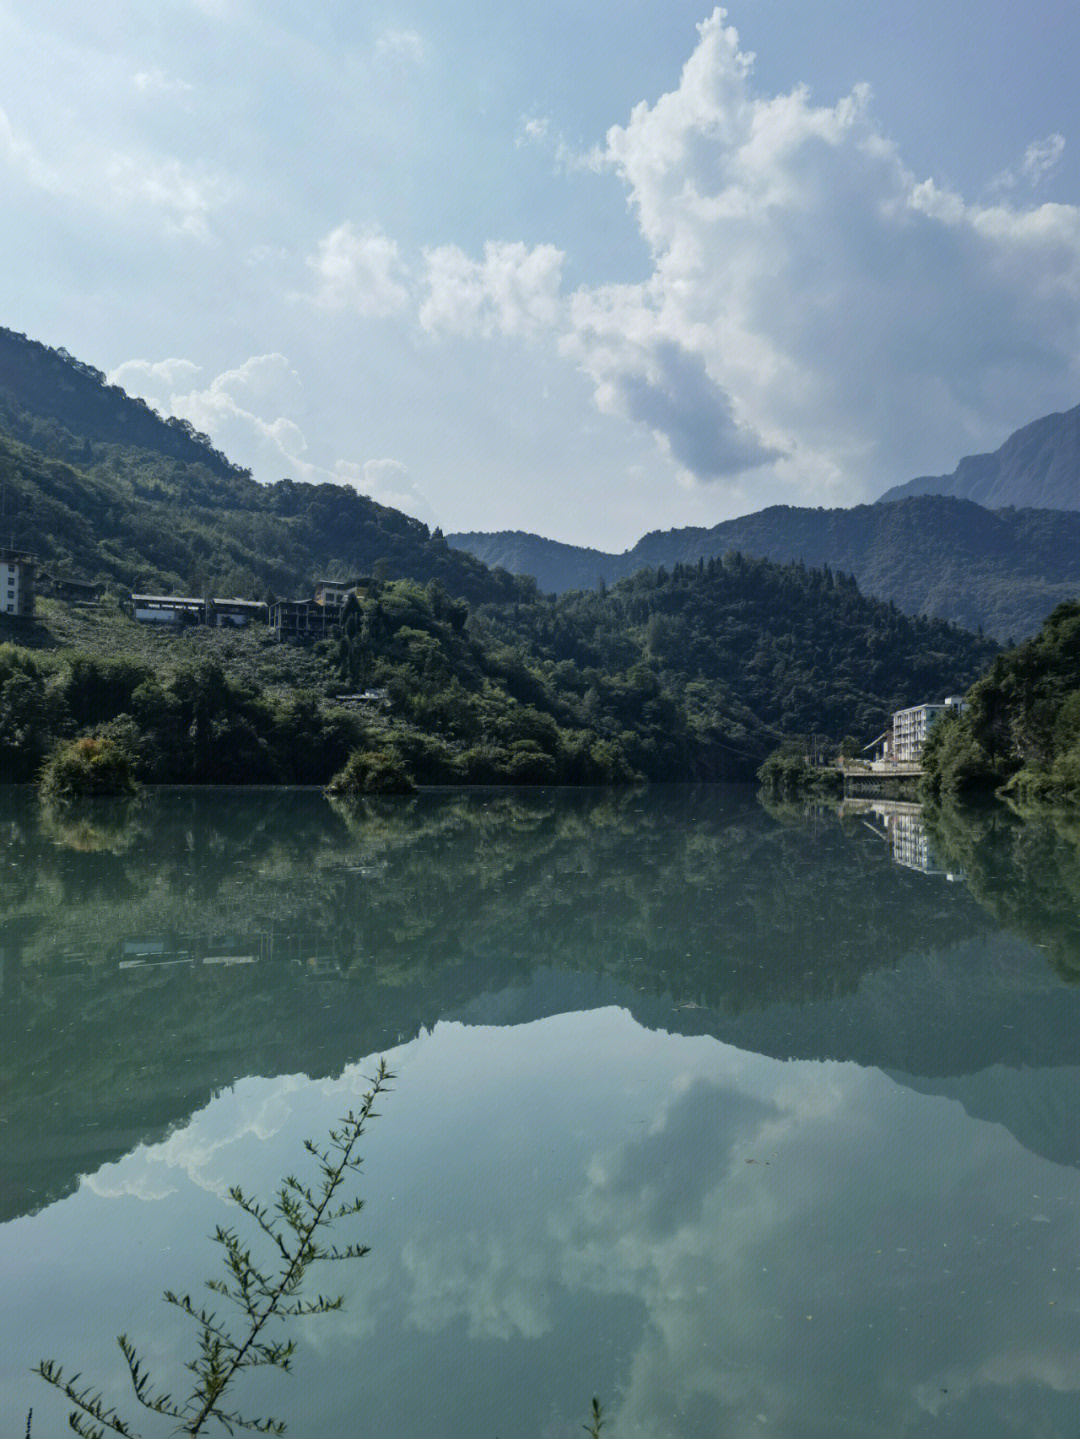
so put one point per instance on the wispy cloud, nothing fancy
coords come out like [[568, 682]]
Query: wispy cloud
[[156, 82], [538, 131], [19, 154], [402, 45], [181, 196], [1040, 158]]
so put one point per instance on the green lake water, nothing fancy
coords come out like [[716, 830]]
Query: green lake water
[[752, 1121]]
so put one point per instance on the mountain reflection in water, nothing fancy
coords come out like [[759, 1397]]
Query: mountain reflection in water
[[697, 1098]]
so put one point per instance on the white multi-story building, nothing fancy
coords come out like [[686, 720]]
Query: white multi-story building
[[17, 585], [911, 726]]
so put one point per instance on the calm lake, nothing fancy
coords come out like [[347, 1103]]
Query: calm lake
[[752, 1121]]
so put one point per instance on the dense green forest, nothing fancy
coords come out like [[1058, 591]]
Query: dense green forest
[[693, 674], [798, 650], [1021, 728], [1002, 571]]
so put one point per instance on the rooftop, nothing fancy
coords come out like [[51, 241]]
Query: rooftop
[[167, 599]]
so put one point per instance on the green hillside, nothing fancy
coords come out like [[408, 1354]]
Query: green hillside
[[695, 671], [1022, 724], [692, 674], [802, 650], [101, 487], [66, 409], [1003, 570]]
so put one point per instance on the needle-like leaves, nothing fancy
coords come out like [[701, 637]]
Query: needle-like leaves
[[262, 1292]]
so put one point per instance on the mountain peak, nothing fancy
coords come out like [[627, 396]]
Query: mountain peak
[[1038, 467]]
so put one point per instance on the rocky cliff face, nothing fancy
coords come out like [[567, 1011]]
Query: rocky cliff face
[[1038, 467]]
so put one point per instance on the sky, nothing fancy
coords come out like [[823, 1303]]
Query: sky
[[586, 271]]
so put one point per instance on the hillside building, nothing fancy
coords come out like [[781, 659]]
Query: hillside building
[[189, 610], [169, 609], [911, 726], [289, 619], [74, 592], [301, 619], [17, 570], [224, 613], [332, 594]]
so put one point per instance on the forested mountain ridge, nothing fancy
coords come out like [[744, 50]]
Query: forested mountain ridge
[[554, 565], [1038, 467], [1002, 570], [99, 486], [68, 410], [791, 650]]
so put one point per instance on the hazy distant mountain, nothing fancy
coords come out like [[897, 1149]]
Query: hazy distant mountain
[[1003, 570], [1038, 467], [554, 565]]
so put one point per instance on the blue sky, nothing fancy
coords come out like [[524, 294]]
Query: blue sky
[[586, 271]]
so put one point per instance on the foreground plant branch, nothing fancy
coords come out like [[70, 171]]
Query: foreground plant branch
[[262, 1292]]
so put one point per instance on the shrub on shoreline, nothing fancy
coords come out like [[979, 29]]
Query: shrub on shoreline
[[371, 772], [786, 772], [90, 766]]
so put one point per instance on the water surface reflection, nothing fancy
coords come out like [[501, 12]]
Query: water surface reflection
[[727, 1114]]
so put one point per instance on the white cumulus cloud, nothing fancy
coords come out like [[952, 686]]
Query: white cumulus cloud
[[513, 290], [150, 378], [818, 321], [359, 270], [249, 412], [812, 303]]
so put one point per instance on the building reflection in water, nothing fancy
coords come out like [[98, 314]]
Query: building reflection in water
[[900, 824]]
